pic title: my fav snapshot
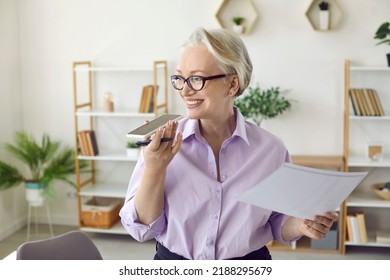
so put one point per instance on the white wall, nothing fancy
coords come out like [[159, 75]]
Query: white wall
[[285, 50], [12, 207]]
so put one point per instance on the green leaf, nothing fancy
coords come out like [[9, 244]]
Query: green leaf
[[382, 33]]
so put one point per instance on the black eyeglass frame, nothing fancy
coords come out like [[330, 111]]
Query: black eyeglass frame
[[204, 79]]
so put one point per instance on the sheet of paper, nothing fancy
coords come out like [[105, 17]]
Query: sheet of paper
[[302, 191]]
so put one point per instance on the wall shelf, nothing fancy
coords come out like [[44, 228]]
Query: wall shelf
[[232, 8], [313, 14]]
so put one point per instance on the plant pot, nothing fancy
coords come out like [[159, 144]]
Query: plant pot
[[35, 193], [238, 28], [133, 152], [324, 20]]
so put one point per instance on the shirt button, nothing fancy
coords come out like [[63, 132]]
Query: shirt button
[[215, 217], [224, 176], [217, 191], [211, 243]]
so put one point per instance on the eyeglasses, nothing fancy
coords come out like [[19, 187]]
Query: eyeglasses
[[194, 82]]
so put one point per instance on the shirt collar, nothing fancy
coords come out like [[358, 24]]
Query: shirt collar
[[191, 127]]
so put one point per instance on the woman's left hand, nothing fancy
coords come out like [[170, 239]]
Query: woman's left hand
[[319, 226]]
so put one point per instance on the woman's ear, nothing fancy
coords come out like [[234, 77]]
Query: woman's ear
[[234, 86]]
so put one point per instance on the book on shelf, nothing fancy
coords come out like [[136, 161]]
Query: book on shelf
[[363, 101], [383, 236], [377, 102], [87, 142], [362, 227], [151, 103], [369, 104], [95, 148], [354, 102], [146, 104], [353, 229], [349, 229], [81, 144], [360, 101], [84, 143], [370, 94]]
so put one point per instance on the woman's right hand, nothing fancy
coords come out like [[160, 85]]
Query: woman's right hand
[[149, 198], [157, 154]]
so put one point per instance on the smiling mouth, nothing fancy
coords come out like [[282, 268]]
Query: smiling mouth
[[194, 102]]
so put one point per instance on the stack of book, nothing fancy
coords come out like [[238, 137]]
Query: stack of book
[[87, 143], [365, 102], [356, 228]]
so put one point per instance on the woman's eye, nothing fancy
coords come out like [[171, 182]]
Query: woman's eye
[[196, 79]]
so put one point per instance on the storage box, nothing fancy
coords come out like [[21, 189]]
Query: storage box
[[329, 242], [374, 151], [100, 212]]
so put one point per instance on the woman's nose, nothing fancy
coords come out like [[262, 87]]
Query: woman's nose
[[187, 91]]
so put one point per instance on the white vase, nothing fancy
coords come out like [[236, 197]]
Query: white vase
[[324, 20], [133, 152], [238, 28]]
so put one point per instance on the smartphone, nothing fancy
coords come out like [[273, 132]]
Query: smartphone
[[144, 131]]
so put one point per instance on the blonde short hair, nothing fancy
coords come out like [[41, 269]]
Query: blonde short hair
[[229, 50]]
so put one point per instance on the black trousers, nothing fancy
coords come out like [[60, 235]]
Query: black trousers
[[163, 253]]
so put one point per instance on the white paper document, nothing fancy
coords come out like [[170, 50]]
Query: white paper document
[[302, 192]]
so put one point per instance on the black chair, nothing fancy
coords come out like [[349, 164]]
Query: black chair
[[73, 245]]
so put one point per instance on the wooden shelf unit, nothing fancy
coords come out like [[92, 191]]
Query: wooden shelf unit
[[357, 130], [87, 113]]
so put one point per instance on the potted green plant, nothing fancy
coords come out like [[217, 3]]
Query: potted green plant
[[238, 24], [132, 149], [258, 104], [44, 163], [383, 35]]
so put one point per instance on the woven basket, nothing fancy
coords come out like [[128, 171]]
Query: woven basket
[[100, 212], [382, 194]]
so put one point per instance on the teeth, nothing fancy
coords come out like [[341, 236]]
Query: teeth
[[193, 102]]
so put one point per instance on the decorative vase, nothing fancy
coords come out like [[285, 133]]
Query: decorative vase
[[108, 102], [108, 106], [238, 28], [133, 152], [324, 20], [34, 193]]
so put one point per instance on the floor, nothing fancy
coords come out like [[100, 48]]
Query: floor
[[123, 247]]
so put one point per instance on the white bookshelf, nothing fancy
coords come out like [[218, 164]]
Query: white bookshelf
[[358, 132]]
